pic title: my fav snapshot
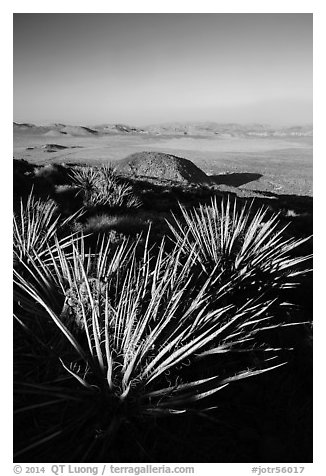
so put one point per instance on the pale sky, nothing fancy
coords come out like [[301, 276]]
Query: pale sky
[[149, 68]]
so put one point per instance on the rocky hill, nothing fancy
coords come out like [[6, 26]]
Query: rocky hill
[[163, 167]]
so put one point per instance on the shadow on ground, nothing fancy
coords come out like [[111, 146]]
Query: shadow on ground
[[234, 180]]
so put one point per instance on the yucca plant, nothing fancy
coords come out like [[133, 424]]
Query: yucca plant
[[115, 195], [108, 173], [247, 247], [102, 187], [37, 226], [86, 179], [141, 326], [113, 191]]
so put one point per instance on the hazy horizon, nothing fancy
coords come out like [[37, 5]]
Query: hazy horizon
[[143, 69], [163, 123]]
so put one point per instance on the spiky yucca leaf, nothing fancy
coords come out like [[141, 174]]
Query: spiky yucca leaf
[[56, 276], [86, 179], [108, 173], [245, 245], [36, 227]]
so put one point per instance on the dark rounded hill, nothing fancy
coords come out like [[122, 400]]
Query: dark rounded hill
[[162, 166]]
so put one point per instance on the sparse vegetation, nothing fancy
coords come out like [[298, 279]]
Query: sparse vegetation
[[36, 226], [126, 224], [116, 326], [102, 187]]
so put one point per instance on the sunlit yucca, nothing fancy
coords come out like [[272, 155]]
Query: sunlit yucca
[[141, 326], [115, 195], [249, 246], [36, 227], [103, 187], [86, 179]]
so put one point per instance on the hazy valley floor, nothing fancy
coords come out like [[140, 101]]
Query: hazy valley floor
[[281, 165]]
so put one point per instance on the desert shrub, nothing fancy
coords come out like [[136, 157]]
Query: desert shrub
[[101, 187], [53, 174], [22, 179], [68, 199], [22, 166], [114, 195], [126, 224]]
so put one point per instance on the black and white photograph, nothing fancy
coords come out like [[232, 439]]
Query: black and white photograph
[[162, 239]]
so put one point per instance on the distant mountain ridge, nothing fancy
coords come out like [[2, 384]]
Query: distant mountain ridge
[[228, 129], [206, 129], [54, 130]]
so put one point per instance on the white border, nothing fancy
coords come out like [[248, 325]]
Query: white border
[[168, 6]]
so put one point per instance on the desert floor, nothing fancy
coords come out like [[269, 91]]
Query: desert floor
[[281, 165]]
